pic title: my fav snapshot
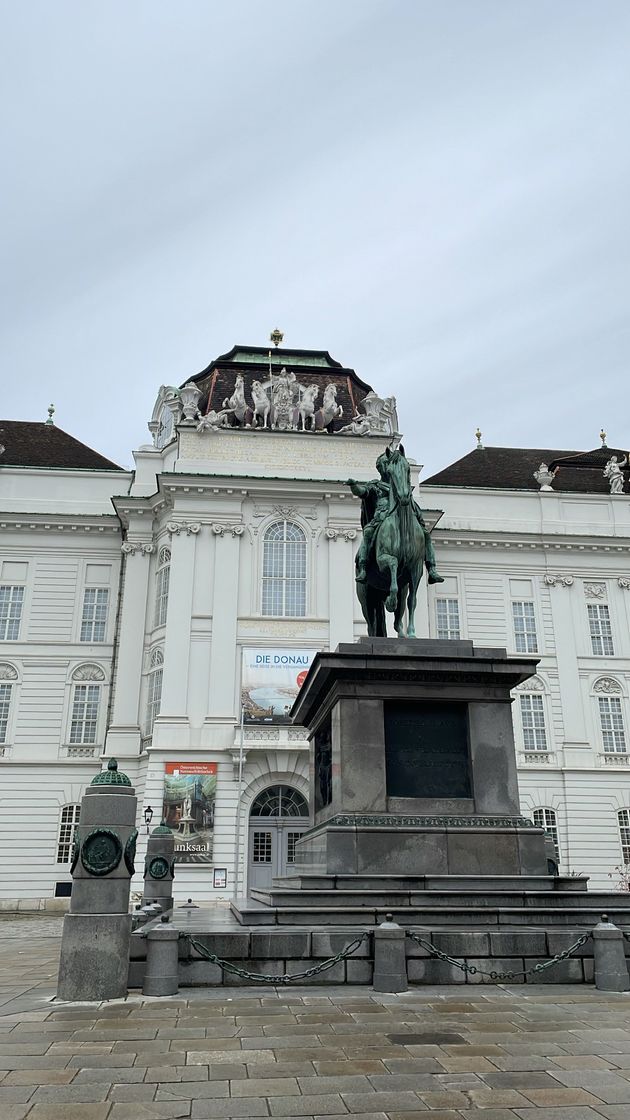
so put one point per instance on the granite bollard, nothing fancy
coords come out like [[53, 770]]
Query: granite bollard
[[611, 969], [161, 978], [390, 962], [97, 929], [159, 868]]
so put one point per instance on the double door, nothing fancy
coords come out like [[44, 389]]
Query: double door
[[271, 849]]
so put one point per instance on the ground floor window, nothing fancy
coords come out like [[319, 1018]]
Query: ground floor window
[[68, 822]]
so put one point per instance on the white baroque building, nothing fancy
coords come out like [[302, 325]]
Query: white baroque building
[[140, 611]]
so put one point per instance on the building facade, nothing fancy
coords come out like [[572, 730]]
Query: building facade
[[166, 617]]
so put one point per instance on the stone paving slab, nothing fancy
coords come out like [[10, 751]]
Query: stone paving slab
[[533, 1052]]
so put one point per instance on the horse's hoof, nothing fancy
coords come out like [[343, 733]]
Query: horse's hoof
[[391, 602]]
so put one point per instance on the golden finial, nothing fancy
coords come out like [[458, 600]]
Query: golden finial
[[478, 437], [51, 410], [602, 436], [276, 336]]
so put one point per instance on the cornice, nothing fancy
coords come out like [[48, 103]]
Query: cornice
[[61, 523], [526, 542]]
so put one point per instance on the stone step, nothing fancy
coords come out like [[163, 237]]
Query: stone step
[[253, 912], [463, 900], [312, 881]]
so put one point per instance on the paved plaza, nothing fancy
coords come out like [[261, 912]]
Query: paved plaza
[[534, 1052]]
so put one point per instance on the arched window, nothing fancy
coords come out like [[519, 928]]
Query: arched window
[[546, 818], [161, 586], [284, 570], [623, 820], [86, 699], [279, 801], [154, 690], [7, 676], [68, 822]]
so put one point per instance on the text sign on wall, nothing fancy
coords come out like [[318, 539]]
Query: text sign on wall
[[188, 808], [271, 681]]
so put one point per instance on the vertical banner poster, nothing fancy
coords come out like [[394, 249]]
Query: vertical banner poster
[[271, 681], [189, 795]]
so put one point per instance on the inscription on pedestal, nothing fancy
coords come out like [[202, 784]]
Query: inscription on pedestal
[[426, 749]]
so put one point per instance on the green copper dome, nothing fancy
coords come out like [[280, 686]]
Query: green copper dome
[[111, 776], [162, 830]]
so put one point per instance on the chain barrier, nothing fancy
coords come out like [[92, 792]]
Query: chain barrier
[[258, 977], [474, 970]]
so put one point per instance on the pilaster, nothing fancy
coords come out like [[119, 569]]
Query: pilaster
[[123, 736]]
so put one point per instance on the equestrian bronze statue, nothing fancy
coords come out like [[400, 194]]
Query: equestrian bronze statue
[[396, 546]]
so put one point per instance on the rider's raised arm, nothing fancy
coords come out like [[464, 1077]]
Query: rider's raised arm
[[358, 488]]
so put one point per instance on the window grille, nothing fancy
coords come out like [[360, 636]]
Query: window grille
[[161, 586], [611, 719], [67, 827], [600, 629], [623, 820], [525, 639], [94, 616], [5, 708], [279, 801], [447, 616], [85, 705], [261, 847], [11, 602], [546, 818], [533, 722], [154, 691], [292, 839], [284, 570]]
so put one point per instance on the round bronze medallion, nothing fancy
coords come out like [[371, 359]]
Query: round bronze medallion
[[130, 851], [101, 852], [158, 868]]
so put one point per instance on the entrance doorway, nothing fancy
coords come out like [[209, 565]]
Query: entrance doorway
[[277, 819]]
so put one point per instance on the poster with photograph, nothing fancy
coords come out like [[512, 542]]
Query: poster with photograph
[[188, 809], [271, 681]]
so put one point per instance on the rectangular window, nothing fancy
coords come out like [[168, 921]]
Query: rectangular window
[[292, 839], [533, 721], [447, 618], [67, 828], [611, 719], [261, 847], [85, 703], [94, 616], [161, 595], [11, 602], [5, 708], [154, 698], [601, 632], [525, 639], [546, 818]]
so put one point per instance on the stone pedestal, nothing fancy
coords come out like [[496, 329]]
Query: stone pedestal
[[96, 931], [413, 767], [159, 868]]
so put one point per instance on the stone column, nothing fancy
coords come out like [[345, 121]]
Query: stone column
[[611, 967], [342, 593], [390, 961], [224, 620], [123, 736], [96, 932], [159, 867], [178, 619]]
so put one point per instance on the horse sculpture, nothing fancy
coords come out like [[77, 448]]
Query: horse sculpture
[[395, 555]]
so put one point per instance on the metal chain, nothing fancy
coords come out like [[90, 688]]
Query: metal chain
[[474, 970], [260, 977]]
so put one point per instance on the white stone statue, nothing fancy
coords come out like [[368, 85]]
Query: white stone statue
[[236, 403], [262, 404], [283, 389], [358, 426], [544, 477], [330, 410], [381, 412], [306, 407], [613, 471], [212, 421], [189, 396], [187, 808]]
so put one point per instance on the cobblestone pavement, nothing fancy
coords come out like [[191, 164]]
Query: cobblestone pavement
[[534, 1052]]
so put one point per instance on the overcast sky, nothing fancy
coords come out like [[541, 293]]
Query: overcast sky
[[436, 192]]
